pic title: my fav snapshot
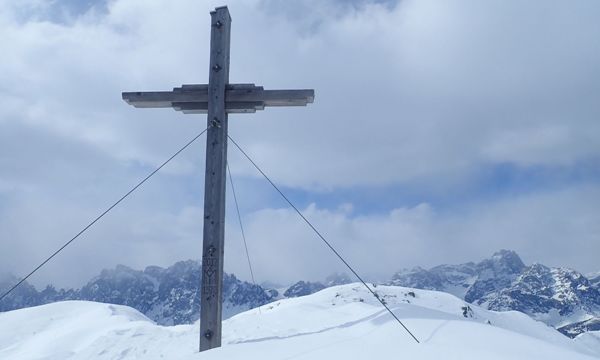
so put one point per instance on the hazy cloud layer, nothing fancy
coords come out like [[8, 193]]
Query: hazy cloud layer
[[424, 95]]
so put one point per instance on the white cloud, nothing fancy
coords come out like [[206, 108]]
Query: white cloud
[[558, 228], [417, 90], [421, 92]]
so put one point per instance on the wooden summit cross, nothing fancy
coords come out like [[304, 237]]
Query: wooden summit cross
[[217, 99]]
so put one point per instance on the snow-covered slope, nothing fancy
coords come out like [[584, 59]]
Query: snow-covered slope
[[591, 340], [342, 322]]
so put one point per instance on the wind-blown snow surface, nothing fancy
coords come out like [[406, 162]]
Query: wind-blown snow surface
[[338, 322], [590, 339]]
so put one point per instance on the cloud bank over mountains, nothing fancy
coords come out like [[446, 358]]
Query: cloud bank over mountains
[[475, 124]]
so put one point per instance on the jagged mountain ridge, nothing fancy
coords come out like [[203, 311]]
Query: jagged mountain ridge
[[561, 297], [168, 296], [342, 322], [595, 279], [303, 288]]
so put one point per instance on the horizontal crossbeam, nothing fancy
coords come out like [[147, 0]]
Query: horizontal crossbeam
[[239, 98]]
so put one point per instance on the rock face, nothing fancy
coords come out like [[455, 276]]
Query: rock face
[[24, 295], [336, 279], [418, 278], [168, 296], [561, 297], [574, 329], [493, 275], [595, 280], [303, 288], [540, 289]]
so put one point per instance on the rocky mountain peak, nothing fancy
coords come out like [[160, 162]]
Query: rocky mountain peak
[[418, 277], [504, 261], [169, 296], [302, 288], [337, 279], [557, 296], [574, 288], [595, 279]]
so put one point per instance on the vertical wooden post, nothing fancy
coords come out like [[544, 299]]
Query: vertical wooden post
[[214, 188]]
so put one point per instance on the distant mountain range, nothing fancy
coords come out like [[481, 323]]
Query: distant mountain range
[[168, 296], [560, 297], [342, 322]]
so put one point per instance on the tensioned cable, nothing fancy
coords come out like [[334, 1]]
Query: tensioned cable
[[322, 237], [102, 215], [237, 209]]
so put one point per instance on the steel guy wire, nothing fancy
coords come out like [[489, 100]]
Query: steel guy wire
[[100, 216], [237, 209], [322, 237]]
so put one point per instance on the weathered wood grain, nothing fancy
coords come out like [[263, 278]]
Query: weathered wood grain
[[214, 183], [235, 94]]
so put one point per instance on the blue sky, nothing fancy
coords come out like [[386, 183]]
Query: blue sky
[[440, 133], [488, 184]]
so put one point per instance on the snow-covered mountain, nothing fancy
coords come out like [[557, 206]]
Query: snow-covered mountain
[[594, 279], [561, 297], [341, 322], [302, 288], [168, 296]]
